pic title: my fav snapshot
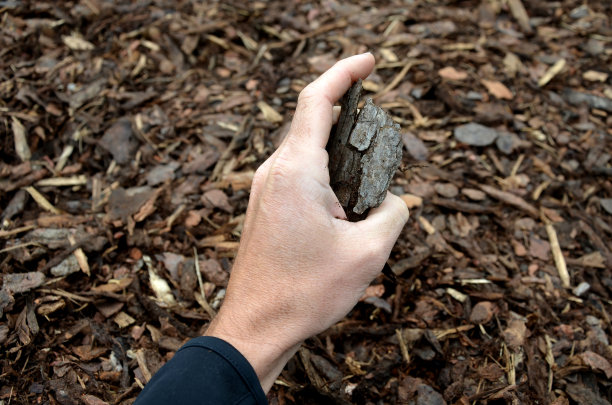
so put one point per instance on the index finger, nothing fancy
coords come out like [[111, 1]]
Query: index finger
[[313, 115]]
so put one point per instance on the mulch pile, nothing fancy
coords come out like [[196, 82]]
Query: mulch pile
[[130, 132]]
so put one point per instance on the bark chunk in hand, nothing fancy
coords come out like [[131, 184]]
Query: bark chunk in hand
[[364, 153]]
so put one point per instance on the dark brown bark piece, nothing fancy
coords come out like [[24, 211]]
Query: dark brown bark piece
[[364, 152]]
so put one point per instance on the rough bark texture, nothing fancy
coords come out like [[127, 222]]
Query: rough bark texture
[[364, 152]]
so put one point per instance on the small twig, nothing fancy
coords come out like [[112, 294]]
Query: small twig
[[550, 359], [557, 255], [42, 201], [477, 395], [404, 167], [312, 374], [510, 364], [19, 246], [517, 165], [126, 393], [80, 256], [73, 297], [426, 225], [58, 258], [6, 234], [403, 347], [203, 302], [396, 80], [142, 363], [321, 30], [510, 199], [237, 140]]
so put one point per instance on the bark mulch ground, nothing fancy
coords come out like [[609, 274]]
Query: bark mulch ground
[[129, 135]]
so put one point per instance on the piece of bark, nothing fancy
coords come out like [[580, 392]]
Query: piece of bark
[[364, 153], [520, 14], [511, 199]]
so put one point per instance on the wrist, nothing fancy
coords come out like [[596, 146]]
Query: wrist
[[266, 353]]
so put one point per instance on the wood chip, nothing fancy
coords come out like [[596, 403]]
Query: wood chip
[[520, 14], [110, 309], [606, 204], [426, 225], [368, 85], [552, 72], [593, 259], [448, 190], [249, 43], [20, 138], [142, 364], [123, 320], [412, 200], [92, 400], [50, 307], [512, 64], [23, 282], [514, 334], [473, 194], [159, 286], [595, 76], [483, 312], [498, 89], [113, 285], [459, 296], [80, 256], [269, 113], [388, 55], [77, 43], [597, 362], [450, 73]]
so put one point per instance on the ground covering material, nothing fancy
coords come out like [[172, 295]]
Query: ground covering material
[[129, 135]]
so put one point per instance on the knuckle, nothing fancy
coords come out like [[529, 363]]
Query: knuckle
[[278, 172], [281, 169], [307, 95], [259, 177], [317, 158]]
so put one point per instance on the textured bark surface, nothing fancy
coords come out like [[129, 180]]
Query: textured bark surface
[[364, 152]]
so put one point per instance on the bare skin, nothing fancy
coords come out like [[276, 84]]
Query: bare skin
[[301, 266]]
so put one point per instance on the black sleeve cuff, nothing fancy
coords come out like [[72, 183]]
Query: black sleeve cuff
[[206, 370]]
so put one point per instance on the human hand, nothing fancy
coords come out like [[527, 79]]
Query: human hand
[[301, 265]]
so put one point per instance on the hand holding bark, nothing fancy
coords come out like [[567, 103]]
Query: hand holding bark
[[301, 266]]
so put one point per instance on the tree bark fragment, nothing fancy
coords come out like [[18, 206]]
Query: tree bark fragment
[[364, 152]]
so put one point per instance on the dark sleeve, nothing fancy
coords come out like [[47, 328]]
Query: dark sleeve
[[205, 371]]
